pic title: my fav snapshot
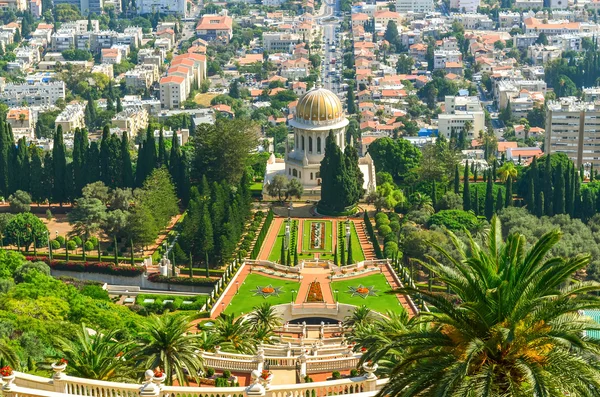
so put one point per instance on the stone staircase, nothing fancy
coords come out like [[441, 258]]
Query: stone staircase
[[365, 241]]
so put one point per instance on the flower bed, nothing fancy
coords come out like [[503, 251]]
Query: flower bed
[[317, 232], [91, 267], [315, 294], [200, 282]]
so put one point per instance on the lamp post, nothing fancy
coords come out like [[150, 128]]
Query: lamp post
[[336, 294], [237, 287], [49, 247], [293, 292]]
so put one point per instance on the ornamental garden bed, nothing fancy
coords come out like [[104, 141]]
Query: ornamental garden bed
[[171, 302], [91, 267], [315, 293], [371, 291], [195, 281]]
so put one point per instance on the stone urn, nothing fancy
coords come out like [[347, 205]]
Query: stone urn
[[265, 379], [370, 369], [59, 369], [158, 378], [8, 381]]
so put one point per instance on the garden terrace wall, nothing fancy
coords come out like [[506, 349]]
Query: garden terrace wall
[[138, 281], [91, 267]]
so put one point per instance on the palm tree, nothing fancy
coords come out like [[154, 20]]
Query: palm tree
[[379, 338], [234, 334], [264, 317], [359, 316], [508, 169], [165, 342], [8, 355], [510, 328], [99, 356]]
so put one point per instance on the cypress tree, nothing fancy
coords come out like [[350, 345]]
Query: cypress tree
[[489, 198], [531, 197], [350, 260], [335, 256], [574, 179], [105, 156], [508, 199], [140, 172], [93, 163], [162, 150], [59, 192], [343, 253], [433, 194], [548, 194], [127, 167], [587, 205], [337, 192], [466, 192], [36, 177], [205, 233], [581, 173], [559, 191], [47, 177], [282, 257], [475, 205], [296, 257], [23, 166], [119, 105], [494, 171], [539, 204], [592, 173], [577, 198], [499, 201], [289, 258], [80, 149], [456, 180], [5, 146]]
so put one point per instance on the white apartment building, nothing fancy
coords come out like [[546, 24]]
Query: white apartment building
[[474, 21], [465, 5], [280, 42], [33, 94], [508, 20], [506, 90], [22, 122], [172, 92], [416, 6], [528, 4], [441, 58], [573, 128], [541, 54], [35, 6], [163, 6], [132, 120], [459, 112], [72, 117]]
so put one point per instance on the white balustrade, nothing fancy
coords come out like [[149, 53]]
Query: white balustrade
[[36, 386]]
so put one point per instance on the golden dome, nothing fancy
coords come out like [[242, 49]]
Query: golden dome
[[319, 105]]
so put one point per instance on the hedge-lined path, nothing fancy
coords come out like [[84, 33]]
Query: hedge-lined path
[[270, 239], [365, 242]]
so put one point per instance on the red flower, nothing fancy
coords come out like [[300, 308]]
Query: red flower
[[158, 373], [63, 361], [6, 371], [265, 374], [363, 349]]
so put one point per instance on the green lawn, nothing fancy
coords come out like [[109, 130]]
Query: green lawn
[[381, 303], [275, 254], [246, 300], [357, 252], [327, 246]]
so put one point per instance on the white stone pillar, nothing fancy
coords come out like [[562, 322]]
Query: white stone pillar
[[59, 376], [150, 387]]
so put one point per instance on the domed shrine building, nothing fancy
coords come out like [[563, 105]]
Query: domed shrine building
[[318, 112]]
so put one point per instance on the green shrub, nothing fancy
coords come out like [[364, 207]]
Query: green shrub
[[61, 240], [454, 220], [384, 230], [226, 374], [96, 292], [71, 245], [380, 216], [94, 241], [89, 246], [395, 226], [336, 375], [55, 244], [77, 240], [390, 249], [210, 372], [354, 373]]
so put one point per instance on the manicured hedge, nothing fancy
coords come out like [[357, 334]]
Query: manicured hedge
[[372, 236], [177, 304], [261, 235], [91, 267], [90, 256], [200, 282]]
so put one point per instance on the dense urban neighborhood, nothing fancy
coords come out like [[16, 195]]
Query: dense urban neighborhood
[[299, 198]]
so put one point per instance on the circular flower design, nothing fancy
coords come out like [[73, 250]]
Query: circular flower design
[[268, 290]]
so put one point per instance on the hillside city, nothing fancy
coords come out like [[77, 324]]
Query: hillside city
[[299, 198]]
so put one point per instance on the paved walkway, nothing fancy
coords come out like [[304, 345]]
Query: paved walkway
[[270, 239], [365, 242], [309, 275], [232, 291]]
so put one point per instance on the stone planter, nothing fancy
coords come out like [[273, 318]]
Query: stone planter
[[266, 382], [8, 382], [59, 370], [159, 380]]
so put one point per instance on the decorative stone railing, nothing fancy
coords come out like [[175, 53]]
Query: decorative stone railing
[[61, 385], [306, 361]]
